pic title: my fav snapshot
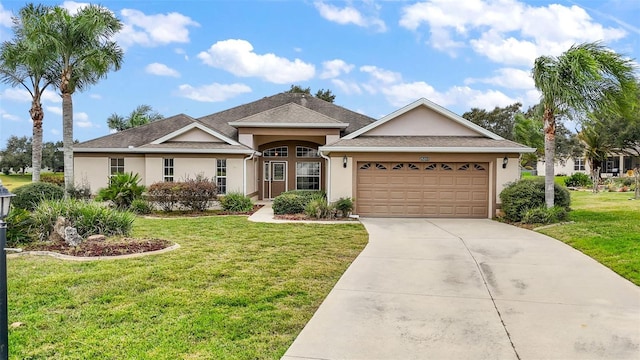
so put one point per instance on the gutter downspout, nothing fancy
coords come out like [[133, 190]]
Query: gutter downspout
[[244, 173], [328, 181]]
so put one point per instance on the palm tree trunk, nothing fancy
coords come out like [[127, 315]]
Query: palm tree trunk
[[36, 142], [549, 154], [67, 140]]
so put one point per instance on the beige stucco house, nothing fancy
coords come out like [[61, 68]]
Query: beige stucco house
[[420, 161]]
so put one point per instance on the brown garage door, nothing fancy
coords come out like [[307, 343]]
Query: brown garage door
[[423, 189]]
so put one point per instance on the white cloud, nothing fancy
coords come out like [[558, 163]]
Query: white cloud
[[153, 30], [181, 51], [95, 96], [348, 88], [81, 119], [505, 31], [13, 94], [237, 57], [334, 68], [5, 17], [55, 132], [161, 70], [7, 116], [212, 93], [509, 78], [73, 6], [381, 75], [54, 109], [349, 15], [51, 96]]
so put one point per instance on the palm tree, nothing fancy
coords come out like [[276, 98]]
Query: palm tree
[[22, 64], [84, 54], [143, 114], [596, 148], [586, 78]]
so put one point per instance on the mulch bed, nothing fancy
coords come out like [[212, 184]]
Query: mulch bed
[[305, 217], [111, 247], [181, 213]]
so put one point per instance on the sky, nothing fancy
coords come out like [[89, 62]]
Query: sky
[[201, 57]]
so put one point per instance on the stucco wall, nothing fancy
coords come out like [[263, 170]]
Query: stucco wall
[[562, 167], [504, 176], [252, 181], [421, 121], [135, 165], [92, 169], [341, 178], [189, 167], [234, 174]]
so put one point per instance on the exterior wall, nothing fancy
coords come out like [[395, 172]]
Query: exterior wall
[[235, 172], [153, 169], [565, 167], [252, 178], [94, 169], [196, 135], [341, 178], [504, 176], [421, 121], [134, 165], [189, 167]]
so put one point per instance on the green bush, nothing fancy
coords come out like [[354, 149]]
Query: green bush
[[79, 192], [318, 208], [89, 218], [236, 202], [19, 224], [30, 195], [578, 180], [195, 194], [164, 195], [51, 178], [344, 206], [122, 190], [289, 204], [526, 194], [544, 215], [141, 207]]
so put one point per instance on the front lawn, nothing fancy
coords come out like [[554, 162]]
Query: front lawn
[[607, 228], [14, 181], [234, 290]]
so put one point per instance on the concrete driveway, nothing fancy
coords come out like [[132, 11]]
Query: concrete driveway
[[472, 289]]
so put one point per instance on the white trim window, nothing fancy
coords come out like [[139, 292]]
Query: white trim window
[[167, 170], [306, 152], [280, 151], [221, 175], [307, 176], [579, 164], [116, 166]]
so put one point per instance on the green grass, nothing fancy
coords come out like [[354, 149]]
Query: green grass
[[607, 228], [14, 181], [234, 290], [557, 179]]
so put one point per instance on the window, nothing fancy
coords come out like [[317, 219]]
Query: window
[[308, 176], [306, 152], [578, 164], [116, 166], [280, 151], [168, 170], [221, 175]]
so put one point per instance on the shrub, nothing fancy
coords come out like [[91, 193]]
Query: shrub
[[140, 207], [578, 180], [79, 192], [122, 190], [55, 179], [163, 195], [526, 194], [195, 194], [19, 224], [544, 215], [236, 202], [344, 206], [289, 204], [319, 208], [30, 195], [88, 218]]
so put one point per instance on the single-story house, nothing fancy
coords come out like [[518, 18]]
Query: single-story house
[[420, 161], [616, 165]]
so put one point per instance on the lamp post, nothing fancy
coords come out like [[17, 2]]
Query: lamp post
[[5, 202]]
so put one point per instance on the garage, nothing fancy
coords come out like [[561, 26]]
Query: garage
[[422, 189]]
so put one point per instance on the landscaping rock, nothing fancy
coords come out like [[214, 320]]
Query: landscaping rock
[[58, 230], [71, 236], [97, 238]]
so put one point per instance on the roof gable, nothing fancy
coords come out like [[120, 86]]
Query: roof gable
[[194, 131], [423, 118], [289, 115]]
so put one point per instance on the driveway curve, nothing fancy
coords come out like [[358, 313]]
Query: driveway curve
[[472, 289]]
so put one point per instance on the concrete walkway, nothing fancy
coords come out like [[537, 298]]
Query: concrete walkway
[[265, 214], [472, 289]]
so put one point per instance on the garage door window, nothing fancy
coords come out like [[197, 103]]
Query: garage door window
[[431, 167]]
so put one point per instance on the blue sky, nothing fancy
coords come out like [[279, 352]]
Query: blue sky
[[200, 57]]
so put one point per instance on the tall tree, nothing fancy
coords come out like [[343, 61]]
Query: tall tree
[[85, 53], [583, 79], [528, 131], [26, 65], [143, 114], [323, 94], [499, 120], [597, 146], [52, 155], [16, 155]]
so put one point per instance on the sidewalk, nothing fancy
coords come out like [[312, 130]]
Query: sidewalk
[[265, 215]]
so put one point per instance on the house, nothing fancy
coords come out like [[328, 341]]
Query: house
[[420, 161], [616, 165]]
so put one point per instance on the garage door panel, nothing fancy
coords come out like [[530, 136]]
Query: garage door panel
[[422, 190]]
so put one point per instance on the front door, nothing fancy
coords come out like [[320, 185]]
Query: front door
[[275, 178]]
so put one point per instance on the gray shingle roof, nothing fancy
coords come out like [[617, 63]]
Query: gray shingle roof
[[290, 113]]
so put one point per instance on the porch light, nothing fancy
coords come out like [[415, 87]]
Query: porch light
[[505, 161], [344, 161], [5, 202]]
